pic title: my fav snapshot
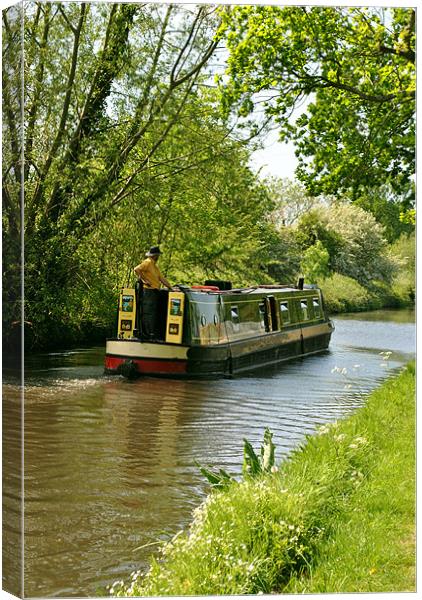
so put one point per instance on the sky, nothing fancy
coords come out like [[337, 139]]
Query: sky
[[275, 159]]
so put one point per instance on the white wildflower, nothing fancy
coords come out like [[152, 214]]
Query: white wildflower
[[323, 429], [361, 440]]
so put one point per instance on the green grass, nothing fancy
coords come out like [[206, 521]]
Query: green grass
[[338, 516], [372, 546], [343, 294]]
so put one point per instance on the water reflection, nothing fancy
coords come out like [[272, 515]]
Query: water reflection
[[12, 488], [109, 464]]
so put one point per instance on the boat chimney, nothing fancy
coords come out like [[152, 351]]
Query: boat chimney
[[300, 283]]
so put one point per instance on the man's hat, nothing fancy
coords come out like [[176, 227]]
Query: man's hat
[[153, 251]]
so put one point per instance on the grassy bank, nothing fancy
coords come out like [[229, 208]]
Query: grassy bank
[[343, 294], [337, 516]]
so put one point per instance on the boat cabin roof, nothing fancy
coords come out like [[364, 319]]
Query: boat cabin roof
[[258, 289]]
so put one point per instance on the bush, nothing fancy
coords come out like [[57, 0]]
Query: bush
[[403, 251], [354, 240], [344, 294], [315, 263]]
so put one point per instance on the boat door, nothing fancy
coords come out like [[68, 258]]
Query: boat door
[[272, 319], [175, 312], [127, 312]]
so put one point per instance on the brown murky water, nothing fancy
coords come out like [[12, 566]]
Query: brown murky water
[[110, 464]]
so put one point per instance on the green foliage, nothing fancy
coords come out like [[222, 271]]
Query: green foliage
[[367, 273], [388, 207], [11, 143], [271, 534], [315, 263], [125, 147], [403, 252], [408, 216], [217, 479], [99, 107], [363, 254], [127, 150], [355, 69], [344, 294], [312, 228], [253, 465], [279, 256], [354, 240]]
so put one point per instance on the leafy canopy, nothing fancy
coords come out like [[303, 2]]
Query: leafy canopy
[[351, 70]]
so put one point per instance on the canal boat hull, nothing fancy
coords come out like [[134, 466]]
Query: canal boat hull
[[136, 357]]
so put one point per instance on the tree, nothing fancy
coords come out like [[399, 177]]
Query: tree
[[12, 136], [315, 263], [354, 240], [209, 212], [291, 200], [312, 228], [104, 85], [355, 70], [388, 206]]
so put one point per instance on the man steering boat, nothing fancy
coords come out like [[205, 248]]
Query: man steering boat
[[150, 279]]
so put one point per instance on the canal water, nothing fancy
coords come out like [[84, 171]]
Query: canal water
[[110, 464]]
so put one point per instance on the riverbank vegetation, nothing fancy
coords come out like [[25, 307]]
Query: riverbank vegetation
[[337, 516], [139, 132]]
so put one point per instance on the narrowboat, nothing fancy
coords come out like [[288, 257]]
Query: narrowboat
[[213, 330]]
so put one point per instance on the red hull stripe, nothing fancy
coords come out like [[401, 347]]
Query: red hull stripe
[[147, 365]]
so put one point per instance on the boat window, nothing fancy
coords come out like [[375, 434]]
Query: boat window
[[285, 314], [175, 307], [234, 312], [317, 307], [262, 315], [127, 303], [304, 309]]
